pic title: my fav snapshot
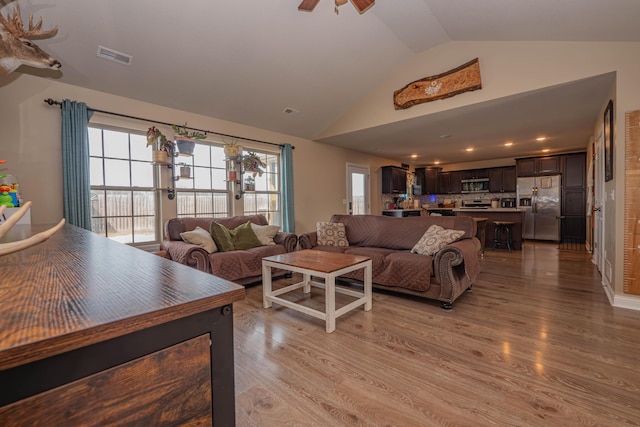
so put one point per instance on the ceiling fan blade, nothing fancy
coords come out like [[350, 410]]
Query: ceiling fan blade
[[362, 5], [308, 5]]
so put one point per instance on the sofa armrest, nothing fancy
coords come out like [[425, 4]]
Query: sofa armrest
[[288, 240], [456, 267], [188, 254], [308, 240]]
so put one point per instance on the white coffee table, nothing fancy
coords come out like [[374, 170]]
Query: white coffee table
[[324, 265]]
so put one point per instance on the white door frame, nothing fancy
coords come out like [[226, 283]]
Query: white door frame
[[353, 168]]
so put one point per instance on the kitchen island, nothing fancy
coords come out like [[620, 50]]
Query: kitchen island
[[402, 212], [514, 215]]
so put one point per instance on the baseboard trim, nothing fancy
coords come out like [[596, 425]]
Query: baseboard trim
[[624, 301]]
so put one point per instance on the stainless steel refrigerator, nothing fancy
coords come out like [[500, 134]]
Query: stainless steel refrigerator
[[540, 199]]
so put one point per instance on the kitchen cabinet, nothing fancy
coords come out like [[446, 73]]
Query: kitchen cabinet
[[475, 173], [427, 179], [431, 182], [535, 166], [502, 180], [574, 193], [394, 180], [574, 170], [450, 182]]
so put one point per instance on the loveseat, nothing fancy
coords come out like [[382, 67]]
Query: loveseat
[[389, 241], [239, 266]]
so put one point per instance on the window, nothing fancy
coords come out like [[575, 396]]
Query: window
[[123, 199], [205, 195], [265, 199]]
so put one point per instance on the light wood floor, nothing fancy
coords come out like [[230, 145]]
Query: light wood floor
[[535, 343]]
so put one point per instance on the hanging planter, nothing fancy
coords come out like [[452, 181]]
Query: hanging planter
[[160, 146], [185, 171], [249, 184], [186, 140], [253, 164], [231, 149]]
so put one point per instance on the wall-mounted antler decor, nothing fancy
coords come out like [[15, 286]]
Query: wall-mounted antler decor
[[16, 47]]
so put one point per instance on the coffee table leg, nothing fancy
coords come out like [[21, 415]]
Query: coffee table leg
[[266, 286], [307, 286], [368, 278], [330, 302]]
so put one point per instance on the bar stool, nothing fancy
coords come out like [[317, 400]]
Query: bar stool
[[502, 234]]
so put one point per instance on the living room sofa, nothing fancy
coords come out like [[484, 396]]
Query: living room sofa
[[239, 266], [389, 241]]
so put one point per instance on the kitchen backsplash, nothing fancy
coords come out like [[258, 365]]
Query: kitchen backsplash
[[433, 199]]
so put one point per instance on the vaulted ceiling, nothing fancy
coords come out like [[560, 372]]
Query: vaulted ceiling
[[247, 61]]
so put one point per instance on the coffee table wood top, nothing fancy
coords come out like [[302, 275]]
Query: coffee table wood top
[[321, 261]]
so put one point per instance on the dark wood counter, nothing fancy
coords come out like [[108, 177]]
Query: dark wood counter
[[500, 214], [93, 331]]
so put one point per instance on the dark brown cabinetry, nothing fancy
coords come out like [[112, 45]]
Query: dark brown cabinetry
[[427, 180], [475, 173], [502, 180], [536, 166], [394, 180], [574, 209], [450, 182]]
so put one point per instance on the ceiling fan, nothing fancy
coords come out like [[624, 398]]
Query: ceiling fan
[[361, 5]]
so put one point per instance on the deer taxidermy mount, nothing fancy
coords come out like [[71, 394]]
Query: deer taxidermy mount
[[16, 47], [361, 5]]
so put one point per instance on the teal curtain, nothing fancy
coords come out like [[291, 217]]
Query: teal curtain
[[75, 163], [288, 220]]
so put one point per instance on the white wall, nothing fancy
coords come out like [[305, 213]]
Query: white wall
[[30, 142], [508, 68]]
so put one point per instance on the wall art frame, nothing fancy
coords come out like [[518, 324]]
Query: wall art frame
[[608, 141]]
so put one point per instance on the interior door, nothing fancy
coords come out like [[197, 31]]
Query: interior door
[[358, 194], [597, 206]]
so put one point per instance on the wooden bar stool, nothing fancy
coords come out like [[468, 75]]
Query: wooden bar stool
[[503, 234]]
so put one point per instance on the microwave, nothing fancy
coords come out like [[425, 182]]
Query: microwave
[[478, 185]]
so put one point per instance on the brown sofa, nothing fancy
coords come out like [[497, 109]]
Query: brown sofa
[[389, 240], [241, 266]]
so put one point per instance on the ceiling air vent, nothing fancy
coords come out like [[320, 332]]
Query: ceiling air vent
[[112, 55], [291, 111]]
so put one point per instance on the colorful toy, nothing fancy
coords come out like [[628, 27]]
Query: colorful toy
[[5, 198]]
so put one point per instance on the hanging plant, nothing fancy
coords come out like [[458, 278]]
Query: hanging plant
[[252, 163]]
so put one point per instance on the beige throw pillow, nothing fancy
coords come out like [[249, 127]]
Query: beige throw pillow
[[265, 233], [331, 234], [434, 239], [201, 237]]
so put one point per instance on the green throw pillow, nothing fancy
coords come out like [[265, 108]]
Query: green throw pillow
[[240, 238]]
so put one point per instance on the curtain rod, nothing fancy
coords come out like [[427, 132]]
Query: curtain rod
[[54, 102]]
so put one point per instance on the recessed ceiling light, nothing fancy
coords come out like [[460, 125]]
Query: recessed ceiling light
[[541, 138], [546, 150], [508, 144], [414, 156], [437, 162], [470, 149], [445, 135]]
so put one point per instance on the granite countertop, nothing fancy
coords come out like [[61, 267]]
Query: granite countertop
[[393, 210], [516, 210]]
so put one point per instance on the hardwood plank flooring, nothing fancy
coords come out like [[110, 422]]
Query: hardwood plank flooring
[[535, 343]]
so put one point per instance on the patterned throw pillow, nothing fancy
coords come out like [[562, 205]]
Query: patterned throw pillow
[[201, 237], [265, 233], [434, 239], [331, 234]]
